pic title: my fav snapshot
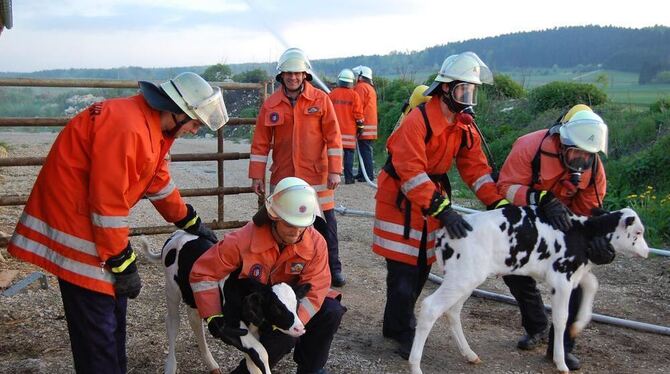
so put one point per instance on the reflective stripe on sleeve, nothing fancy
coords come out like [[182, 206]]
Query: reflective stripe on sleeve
[[486, 178], [335, 151], [163, 193], [308, 306], [258, 158], [109, 222], [204, 286], [413, 182], [511, 192], [326, 199]]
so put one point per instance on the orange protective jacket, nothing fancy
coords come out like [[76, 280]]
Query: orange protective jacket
[[415, 162], [305, 140], [349, 109], [369, 99], [516, 175], [254, 249], [103, 162]]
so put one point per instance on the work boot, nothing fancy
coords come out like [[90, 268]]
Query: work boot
[[530, 341], [570, 360], [349, 181], [404, 349], [337, 279]]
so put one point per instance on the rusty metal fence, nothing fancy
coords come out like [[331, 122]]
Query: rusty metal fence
[[219, 157]]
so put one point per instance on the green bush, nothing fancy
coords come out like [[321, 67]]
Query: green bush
[[660, 106], [504, 87], [562, 95]]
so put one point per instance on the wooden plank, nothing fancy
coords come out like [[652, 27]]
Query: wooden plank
[[6, 277]]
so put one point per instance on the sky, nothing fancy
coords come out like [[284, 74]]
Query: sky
[[65, 34]]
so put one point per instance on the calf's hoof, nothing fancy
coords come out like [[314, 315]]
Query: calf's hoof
[[475, 361], [215, 371]]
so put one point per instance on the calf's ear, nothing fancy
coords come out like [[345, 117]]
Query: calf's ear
[[301, 290], [252, 308]]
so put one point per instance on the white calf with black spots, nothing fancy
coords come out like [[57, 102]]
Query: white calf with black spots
[[250, 303], [515, 240]]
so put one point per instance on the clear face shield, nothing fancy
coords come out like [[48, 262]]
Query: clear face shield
[[211, 111], [465, 94]]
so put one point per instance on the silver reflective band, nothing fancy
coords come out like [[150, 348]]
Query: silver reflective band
[[335, 152], [397, 229], [511, 192], [257, 158], [204, 286], [86, 270], [308, 306], [78, 244], [109, 222], [401, 247], [163, 193], [486, 178], [414, 182]]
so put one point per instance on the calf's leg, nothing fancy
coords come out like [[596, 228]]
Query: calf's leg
[[172, 327], [559, 313], [199, 332], [454, 318], [589, 285]]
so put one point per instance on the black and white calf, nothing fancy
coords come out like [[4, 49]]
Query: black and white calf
[[516, 240], [248, 304]]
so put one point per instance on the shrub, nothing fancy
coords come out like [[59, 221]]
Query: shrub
[[503, 87], [562, 95], [660, 106], [654, 213]]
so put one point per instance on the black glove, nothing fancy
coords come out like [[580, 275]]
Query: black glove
[[553, 209], [456, 226], [359, 128], [126, 278], [498, 204], [229, 335], [192, 224], [600, 251]]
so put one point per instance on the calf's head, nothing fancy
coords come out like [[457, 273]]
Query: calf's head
[[625, 231], [277, 306]]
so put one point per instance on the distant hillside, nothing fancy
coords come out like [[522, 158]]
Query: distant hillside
[[614, 48]]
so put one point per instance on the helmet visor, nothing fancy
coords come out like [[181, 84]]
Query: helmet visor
[[577, 159], [212, 110], [465, 93]]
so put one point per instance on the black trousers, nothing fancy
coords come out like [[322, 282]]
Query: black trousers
[[404, 284], [97, 326], [312, 349], [533, 316], [328, 228]]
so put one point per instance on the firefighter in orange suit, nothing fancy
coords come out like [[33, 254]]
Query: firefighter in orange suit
[[366, 90], [299, 124], [563, 160], [349, 112], [279, 245], [75, 223], [413, 198]]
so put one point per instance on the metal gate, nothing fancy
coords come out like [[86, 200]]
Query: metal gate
[[220, 156]]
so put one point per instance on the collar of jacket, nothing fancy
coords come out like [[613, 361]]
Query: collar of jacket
[[153, 120], [262, 240]]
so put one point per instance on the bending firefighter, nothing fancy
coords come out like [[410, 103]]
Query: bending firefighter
[[414, 195], [75, 223], [563, 160], [279, 245]]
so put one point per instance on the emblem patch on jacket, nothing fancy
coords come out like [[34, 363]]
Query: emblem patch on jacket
[[274, 117], [313, 109], [296, 267], [256, 272]]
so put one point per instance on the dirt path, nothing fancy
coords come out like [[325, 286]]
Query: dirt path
[[33, 332]]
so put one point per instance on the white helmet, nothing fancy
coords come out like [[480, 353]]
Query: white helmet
[[346, 75], [293, 201], [294, 60], [465, 67], [366, 72], [584, 130], [197, 99]]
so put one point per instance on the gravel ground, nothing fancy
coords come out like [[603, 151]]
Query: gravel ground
[[33, 331]]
